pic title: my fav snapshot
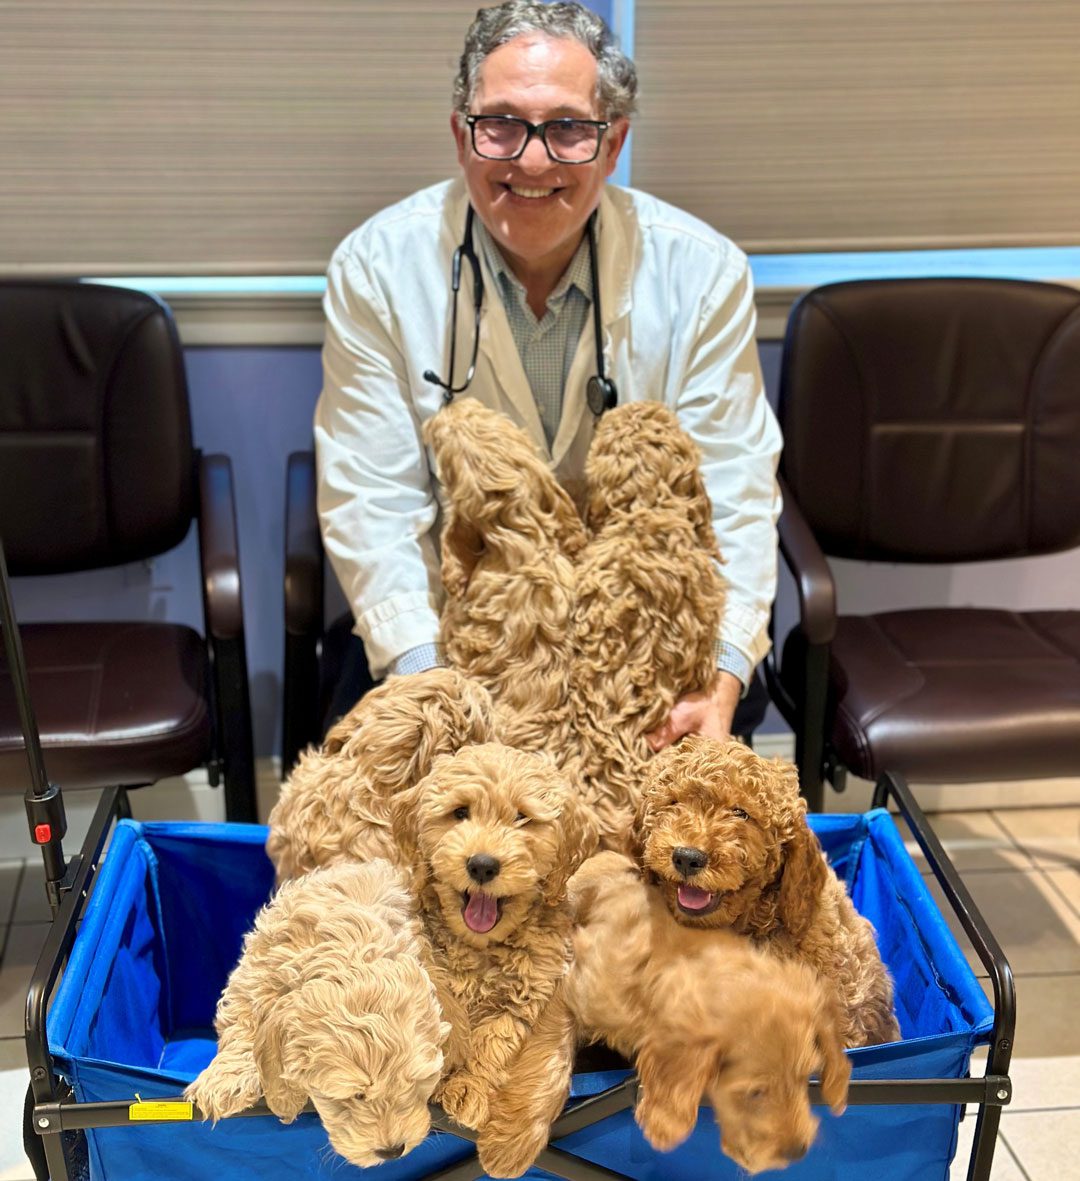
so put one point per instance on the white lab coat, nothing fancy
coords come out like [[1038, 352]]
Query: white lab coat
[[679, 318]]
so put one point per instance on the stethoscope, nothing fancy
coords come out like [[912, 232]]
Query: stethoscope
[[600, 393]]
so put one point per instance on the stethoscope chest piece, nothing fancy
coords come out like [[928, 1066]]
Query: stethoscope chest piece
[[600, 394]]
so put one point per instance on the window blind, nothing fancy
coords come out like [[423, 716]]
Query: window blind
[[863, 124]]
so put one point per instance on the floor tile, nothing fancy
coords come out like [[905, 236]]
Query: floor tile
[[973, 841], [32, 905], [1050, 835], [10, 872], [20, 955], [1046, 1024], [1038, 930], [1067, 884], [1047, 1144], [1004, 1168], [1040, 1083]]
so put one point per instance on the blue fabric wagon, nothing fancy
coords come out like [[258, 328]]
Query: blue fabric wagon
[[132, 1017]]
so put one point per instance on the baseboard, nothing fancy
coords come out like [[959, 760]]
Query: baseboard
[[190, 797]]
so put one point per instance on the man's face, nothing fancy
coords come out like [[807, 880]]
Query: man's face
[[536, 78]]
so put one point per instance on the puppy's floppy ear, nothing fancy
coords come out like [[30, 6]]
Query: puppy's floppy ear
[[462, 547], [835, 1064], [284, 1098], [405, 827], [578, 836], [672, 1079], [805, 873]]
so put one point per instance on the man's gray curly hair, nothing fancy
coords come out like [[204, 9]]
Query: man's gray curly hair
[[616, 86]]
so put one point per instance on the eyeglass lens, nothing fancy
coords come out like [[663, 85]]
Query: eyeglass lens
[[568, 141]]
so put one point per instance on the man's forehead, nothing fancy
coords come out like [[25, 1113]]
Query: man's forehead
[[557, 74]]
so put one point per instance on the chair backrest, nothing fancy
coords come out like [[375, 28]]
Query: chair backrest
[[96, 458], [935, 419]]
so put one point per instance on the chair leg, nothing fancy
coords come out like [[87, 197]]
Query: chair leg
[[810, 731], [234, 731], [301, 719]]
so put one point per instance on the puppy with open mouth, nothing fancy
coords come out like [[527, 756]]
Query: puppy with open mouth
[[723, 834], [492, 835]]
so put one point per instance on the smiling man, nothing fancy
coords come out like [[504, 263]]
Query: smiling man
[[552, 261]]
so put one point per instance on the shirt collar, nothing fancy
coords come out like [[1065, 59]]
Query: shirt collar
[[576, 274]]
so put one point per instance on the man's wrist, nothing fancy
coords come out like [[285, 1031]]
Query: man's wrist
[[417, 660], [730, 659]]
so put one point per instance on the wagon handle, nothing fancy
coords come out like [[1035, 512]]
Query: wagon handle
[[988, 950], [44, 803]]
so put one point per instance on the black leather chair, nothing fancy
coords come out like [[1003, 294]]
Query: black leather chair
[[930, 421], [97, 468]]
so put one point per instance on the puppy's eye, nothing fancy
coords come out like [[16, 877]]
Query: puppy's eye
[[741, 813], [461, 813], [360, 1097], [755, 1095], [672, 804], [521, 818]]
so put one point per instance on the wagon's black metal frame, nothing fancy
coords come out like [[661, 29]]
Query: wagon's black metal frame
[[51, 1110]]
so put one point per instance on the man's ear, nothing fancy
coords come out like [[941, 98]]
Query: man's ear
[[461, 137], [614, 138], [672, 1080]]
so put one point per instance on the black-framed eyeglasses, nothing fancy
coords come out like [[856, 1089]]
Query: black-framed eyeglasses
[[505, 137]]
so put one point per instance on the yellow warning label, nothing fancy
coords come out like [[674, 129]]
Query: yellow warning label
[[164, 1109]]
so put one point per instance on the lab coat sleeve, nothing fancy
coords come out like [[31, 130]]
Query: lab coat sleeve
[[376, 501], [722, 406]]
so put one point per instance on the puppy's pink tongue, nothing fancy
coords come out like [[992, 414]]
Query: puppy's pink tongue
[[691, 898], [481, 913]]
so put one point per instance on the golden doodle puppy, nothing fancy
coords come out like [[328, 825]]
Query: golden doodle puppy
[[723, 834], [336, 803], [708, 1017], [492, 835], [329, 1002], [649, 599], [508, 543]]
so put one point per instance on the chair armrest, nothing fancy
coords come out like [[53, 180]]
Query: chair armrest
[[219, 552], [303, 549], [813, 578]]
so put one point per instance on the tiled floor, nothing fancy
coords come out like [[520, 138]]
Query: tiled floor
[[1022, 868]]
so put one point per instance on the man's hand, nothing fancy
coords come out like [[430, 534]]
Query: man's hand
[[709, 713]]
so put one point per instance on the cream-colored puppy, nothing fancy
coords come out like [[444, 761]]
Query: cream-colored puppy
[[707, 1016], [330, 1002], [336, 803]]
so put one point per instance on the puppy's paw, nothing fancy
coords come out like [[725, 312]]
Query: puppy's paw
[[662, 1132], [223, 1091], [466, 1099], [508, 1152]]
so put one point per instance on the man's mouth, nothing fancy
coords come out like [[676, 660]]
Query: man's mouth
[[695, 901], [526, 193], [480, 911]]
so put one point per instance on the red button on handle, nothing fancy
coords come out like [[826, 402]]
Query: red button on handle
[[43, 834]]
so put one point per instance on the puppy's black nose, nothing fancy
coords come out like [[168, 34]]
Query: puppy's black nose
[[689, 861], [482, 868], [794, 1151], [390, 1153]]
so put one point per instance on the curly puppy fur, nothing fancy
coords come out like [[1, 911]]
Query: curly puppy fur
[[508, 543], [336, 803], [648, 603], [723, 834], [492, 835], [708, 1017], [329, 1001]]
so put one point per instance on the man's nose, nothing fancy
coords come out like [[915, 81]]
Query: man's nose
[[535, 158]]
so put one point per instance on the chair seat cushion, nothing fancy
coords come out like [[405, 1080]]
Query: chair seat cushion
[[958, 694], [116, 703]]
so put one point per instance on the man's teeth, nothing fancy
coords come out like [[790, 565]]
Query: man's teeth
[[518, 192]]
